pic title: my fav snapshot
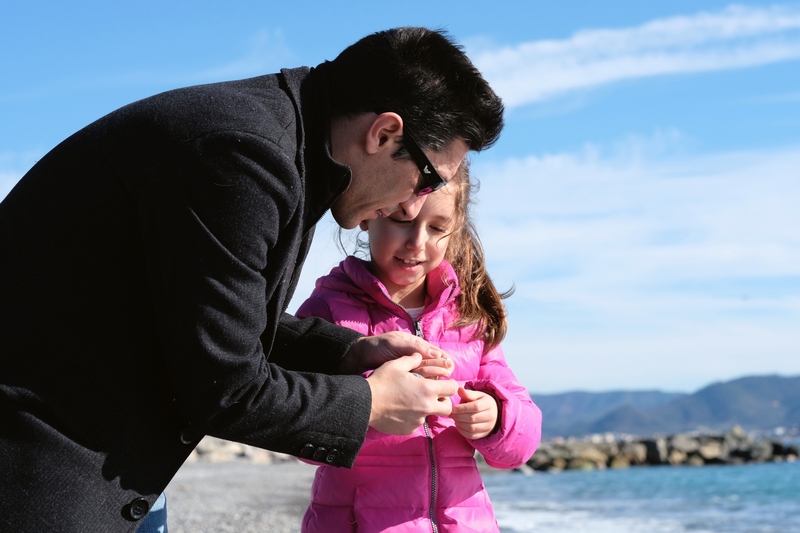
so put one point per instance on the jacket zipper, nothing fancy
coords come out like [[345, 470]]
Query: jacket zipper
[[428, 435], [431, 454], [434, 527]]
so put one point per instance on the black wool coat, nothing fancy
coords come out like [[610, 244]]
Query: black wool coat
[[146, 264]]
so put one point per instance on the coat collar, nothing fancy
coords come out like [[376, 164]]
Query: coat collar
[[354, 277], [325, 179]]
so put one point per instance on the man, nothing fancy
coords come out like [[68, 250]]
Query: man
[[147, 261]]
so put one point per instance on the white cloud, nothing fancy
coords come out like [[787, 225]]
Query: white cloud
[[669, 270], [728, 203], [267, 53], [736, 37], [680, 359], [264, 52]]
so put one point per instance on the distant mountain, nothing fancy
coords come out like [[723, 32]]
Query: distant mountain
[[571, 413], [755, 403]]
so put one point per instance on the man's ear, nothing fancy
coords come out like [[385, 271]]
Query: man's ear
[[386, 127]]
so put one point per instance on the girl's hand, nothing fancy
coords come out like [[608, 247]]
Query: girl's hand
[[476, 415]]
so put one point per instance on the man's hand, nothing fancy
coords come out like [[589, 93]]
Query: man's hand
[[476, 415], [368, 353], [435, 368], [401, 400]]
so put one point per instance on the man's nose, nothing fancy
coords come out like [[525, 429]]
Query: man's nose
[[409, 209]]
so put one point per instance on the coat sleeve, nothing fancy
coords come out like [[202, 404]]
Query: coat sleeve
[[520, 420], [218, 229], [315, 308]]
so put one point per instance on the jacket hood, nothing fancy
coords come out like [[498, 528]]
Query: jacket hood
[[353, 277]]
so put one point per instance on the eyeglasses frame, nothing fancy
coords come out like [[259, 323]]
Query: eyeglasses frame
[[431, 180]]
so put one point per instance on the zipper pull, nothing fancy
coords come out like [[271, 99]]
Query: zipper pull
[[417, 329]]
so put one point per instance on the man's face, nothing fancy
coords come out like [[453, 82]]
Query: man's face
[[383, 185]]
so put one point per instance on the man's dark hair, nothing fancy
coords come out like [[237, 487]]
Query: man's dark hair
[[423, 76]]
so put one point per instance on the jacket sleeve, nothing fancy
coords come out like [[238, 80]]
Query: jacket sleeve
[[315, 306], [520, 420]]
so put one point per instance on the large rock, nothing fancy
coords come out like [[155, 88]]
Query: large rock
[[677, 457], [710, 451], [761, 451], [657, 451], [684, 443], [635, 453], [587, 457]]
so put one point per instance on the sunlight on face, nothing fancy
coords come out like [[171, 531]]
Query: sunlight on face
[[385, 185], [403, 252]]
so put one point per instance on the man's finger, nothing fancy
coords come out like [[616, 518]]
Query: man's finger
[[442, 390], [442, 363], [443, 407], [406, 363], [435, 368], [433, 372], [445, 388], [428, 351]]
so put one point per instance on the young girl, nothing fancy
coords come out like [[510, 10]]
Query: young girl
[[426, 276]]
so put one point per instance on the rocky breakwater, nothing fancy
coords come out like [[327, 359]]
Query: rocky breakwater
[[734, 447], [594, 453]]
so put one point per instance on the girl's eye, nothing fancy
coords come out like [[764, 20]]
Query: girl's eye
[[438, 229]]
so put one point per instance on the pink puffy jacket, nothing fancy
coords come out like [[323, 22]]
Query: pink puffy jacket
[[427, 481]]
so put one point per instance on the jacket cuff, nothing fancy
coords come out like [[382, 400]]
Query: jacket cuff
[[512, 443]]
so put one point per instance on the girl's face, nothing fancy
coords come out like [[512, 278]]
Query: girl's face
[[404, 251]]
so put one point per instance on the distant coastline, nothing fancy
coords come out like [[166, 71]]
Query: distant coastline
[[768, 406]]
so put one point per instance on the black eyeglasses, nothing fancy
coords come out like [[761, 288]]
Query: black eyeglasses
[[431, 180]]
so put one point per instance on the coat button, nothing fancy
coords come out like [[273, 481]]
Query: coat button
[[138, 508], [332, 456], [308, 451], [320, 454]]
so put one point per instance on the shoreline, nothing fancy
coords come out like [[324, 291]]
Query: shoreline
[[227, 487]]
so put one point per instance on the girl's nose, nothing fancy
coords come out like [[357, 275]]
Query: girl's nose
[[416, 238]]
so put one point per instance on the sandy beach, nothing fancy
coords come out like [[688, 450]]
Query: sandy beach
[[238, 497]]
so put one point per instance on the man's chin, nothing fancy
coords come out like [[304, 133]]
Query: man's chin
[[343, 221]]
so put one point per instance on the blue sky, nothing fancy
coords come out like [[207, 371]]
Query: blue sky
[[642, 198]]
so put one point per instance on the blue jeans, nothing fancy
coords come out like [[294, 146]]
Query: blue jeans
[[156, 519]]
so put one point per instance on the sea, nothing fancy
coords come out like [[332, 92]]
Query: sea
[[748, 498]]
